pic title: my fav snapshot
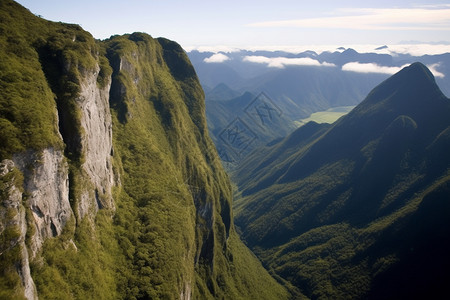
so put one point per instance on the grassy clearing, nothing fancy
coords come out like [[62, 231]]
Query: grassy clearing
[[328, 116]]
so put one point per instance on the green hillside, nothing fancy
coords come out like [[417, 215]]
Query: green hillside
[[241, 125], [358, 209], [168, 232]]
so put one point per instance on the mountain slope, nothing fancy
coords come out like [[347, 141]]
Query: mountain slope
[[110, 186], [329, 212], [242, 124]]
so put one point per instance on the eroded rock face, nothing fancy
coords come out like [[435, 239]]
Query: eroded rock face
[[13, 216], [96, 143], [46, 184], [46, 178]]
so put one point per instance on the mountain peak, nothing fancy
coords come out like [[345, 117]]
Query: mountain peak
[[411, 88], [416, 75], [415, 70]]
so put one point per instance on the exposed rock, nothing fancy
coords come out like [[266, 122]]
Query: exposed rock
[[46, 183], [186, 292], [14, 201], [96, 142]]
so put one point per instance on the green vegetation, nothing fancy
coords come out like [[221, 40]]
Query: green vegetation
[[262, 125], [172, 182], [78, 264], [333, 211], [10, 244], [170, 232], [38, 66], [328, 116], [343, 210]]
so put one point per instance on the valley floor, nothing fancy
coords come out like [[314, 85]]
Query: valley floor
[[327, 116]]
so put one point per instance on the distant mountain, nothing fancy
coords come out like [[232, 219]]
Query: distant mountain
[[220, 92], [238, 69], [297, 84], [301, 91], [382, 47], [357, 209], [240, 125]]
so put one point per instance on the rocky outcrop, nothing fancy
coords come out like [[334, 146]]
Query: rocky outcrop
[[46, 185], [13, 217], [49, 185], [46, 182], [96, 142]]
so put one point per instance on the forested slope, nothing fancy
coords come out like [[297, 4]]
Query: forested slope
[[110, 185]]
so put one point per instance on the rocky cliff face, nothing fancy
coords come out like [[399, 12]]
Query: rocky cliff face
[[109, 184], [46, 185], [14, 222], [96, 141], [47, 180]]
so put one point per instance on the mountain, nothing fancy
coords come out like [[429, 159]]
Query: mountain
[[242, 68], [297, 84], [283, 96], [357, 209], [301, 91], [110, 187], [221, 92], [256, 121], [297, 89]]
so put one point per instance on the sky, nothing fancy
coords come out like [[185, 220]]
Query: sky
[[265, 24]]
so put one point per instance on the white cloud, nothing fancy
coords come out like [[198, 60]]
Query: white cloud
[[216, 58], [374, 68], [435, 72], [370, 68], [420, 49], [281, 62], [373, 19], [417, 49]]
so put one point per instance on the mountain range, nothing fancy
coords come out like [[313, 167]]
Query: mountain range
[[294, 85], [358, 208], [245, 70], [113, 186]]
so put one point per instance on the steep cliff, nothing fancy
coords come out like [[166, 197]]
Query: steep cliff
[[110, 186]]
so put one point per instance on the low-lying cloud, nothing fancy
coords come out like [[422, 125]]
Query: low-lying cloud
[[282, 62], [374, 68], [216, 58], [435, 72], [370, 68]]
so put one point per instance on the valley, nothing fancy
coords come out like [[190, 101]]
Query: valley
[[344, 210], [296, 86], [131, 168], [328, 116]]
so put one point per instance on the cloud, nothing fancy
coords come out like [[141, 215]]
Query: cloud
[[281, 62], [424, 18], [374, 68], [412, 48], [216, 58], [370, 68], [435, 72]]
